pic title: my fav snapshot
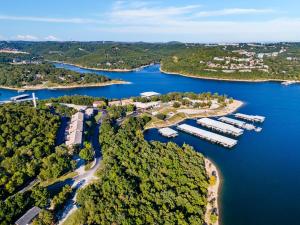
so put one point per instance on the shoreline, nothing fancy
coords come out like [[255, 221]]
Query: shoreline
[[226, 79], [213, 192], [100, 69], [74, 86], [223, 112]]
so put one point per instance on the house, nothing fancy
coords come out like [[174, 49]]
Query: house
[[115, 103], [147, 105], [28, 217], [97, 104], [89, 112], [125, 102]]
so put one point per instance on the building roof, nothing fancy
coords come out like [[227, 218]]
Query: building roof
[[89, 111], [28, 216], [146, 105], [78, 116], [168, 131], [227, 128], [208, 135], [149, 94]]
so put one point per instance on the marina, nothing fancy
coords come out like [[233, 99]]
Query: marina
[[220, 126], [168, 132], [252, 118], [209, 136], [238, 123]]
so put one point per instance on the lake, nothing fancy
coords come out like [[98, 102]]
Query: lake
[[261, 175]]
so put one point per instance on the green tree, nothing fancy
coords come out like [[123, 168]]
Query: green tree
[[40, 196], [87, 153]]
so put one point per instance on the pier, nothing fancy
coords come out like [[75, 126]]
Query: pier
[[212, 137], [19, 97], [238, 123], [220, 126], [252, 118], [168, 132]]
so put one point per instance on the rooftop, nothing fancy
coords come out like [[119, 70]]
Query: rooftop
[[149, 94], [28, 216]]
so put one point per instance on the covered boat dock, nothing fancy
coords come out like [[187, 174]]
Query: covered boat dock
[[168, 132], [252, 118], [214, 138], [220, 126]]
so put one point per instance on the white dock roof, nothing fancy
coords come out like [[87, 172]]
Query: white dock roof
[[167, 131], [250, 117], [224, 127], [208, 135], [232, 121], [149, 94]]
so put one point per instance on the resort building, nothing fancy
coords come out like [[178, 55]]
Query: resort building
[[147, 105], [115, 103], [28, 217], [97, 104], [75, 131], [122, 102], [89, 112]]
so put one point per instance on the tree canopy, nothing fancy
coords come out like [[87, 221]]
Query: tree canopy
[[144, 182]]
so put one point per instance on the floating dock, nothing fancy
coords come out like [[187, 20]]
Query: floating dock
[[220, 126], [19, 97], [238, 123], [214, 138], [168, 132], [252, 118]]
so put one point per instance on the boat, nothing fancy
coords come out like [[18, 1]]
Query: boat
[[21, 91], [258, 129], [289, 82]]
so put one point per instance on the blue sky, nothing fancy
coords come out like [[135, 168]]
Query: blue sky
[[151, 20]]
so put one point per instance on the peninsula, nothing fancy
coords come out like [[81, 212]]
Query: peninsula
[[35, 76]]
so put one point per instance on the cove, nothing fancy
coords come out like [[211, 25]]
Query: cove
[[261, 175]]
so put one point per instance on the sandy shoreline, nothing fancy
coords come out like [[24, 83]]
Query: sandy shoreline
[[213, 192], [224, 79], [42, 87], [100, 69], [233, 107]]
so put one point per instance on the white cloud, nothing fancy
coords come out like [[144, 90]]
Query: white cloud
[[234, 11], [51, 38], [49, 19], [26, 37], [214, 31], [147, 13]]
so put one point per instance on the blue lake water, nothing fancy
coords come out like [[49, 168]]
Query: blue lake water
[[261, 175]]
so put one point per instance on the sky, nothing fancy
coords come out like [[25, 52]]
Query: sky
[[203, 21]]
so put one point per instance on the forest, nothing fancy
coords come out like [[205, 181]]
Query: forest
[[36, 74], [185, 58], [28, 152], [143, 182]]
